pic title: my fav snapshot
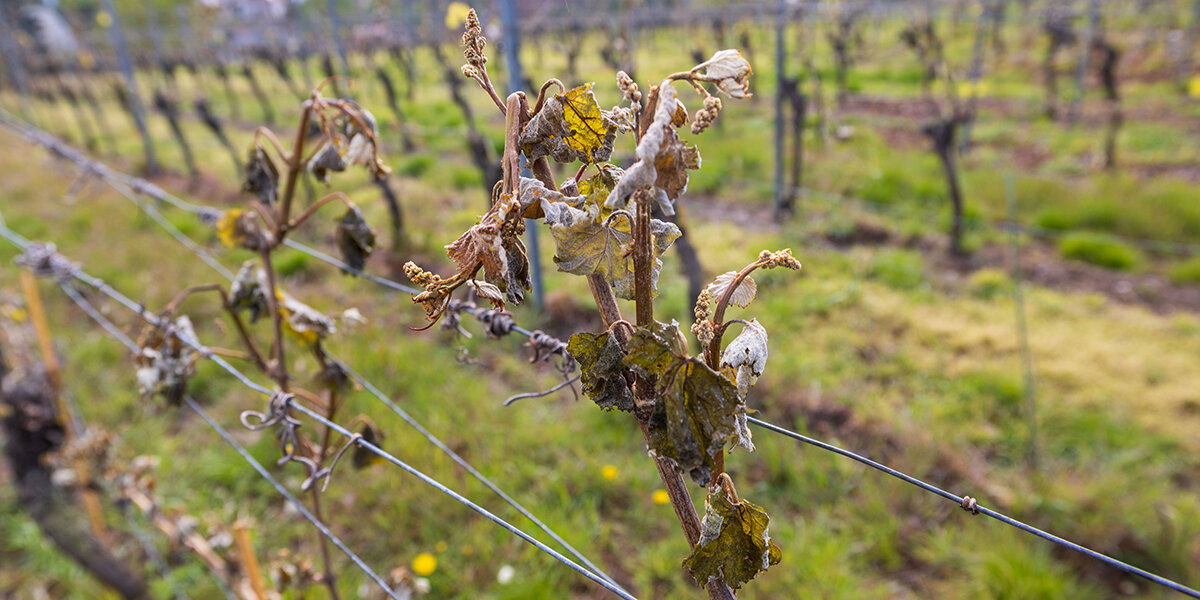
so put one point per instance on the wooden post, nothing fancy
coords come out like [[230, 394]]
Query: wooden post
[[241, 536], [41, 330]]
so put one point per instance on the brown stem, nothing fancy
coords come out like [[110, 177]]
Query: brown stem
[[541, 97], [328, 577], [512, 148], [713, 352], [610, 313], [311, 210], [294, 166], [279, 369], [643, 284]]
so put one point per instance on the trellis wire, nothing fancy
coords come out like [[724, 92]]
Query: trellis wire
[[204, 255], [971, 505], [120, 336], [966, 502], [17, 240]]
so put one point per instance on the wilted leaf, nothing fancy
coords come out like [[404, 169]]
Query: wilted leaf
[[262, 178], [743, 361], [675, 158], [488, 291], [165, 362], [603, 369], [659, 144], [587, 245], [327, 159], [355, 238], [697, 407], [246, 293], [570, 127], [479, 246], [303, 322], [742, 296], [734, 545], [748, 352], [238, 229], [597, 187], [729, 71]]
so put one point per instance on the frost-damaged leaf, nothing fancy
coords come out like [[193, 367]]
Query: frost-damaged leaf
[[355, 239], [165, 362], [238, 229], [596, 188], [659, 144], [262, 178], [743, 361], [735, 545], [303, 322], [603, 369], [586, 245], [327, 159], [697, 408], [570, 127], [494, 244], [533, 192], [729, 71], [246, 293], [675, 158], [742, 296], [488, 291]]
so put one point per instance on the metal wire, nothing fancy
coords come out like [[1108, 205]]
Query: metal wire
[[966, 502], [972, 505], [245, 380], [376, 450], [120, 336], [192, 404], [207, 257]]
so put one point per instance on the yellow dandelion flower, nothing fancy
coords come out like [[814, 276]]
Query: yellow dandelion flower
[[441, 547], [1194, 87], [661, 497], [424, 564], [609, 472]]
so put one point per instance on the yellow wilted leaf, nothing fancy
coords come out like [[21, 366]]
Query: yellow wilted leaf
[[228, 230], [582, 115], [456, 15], [570, 127], [303, 322]]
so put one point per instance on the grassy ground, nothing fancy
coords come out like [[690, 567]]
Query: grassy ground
[[872, 347]]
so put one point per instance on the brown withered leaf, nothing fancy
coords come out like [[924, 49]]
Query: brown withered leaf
[[603, 369], [262, 178], [587, 245], [675, 158], [570, 127], [697, 409], [734, 545], [355, 239]]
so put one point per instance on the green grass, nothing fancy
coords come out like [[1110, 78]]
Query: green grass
[[1099, 251], [1186, 271]]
